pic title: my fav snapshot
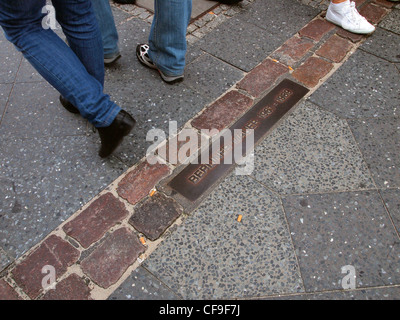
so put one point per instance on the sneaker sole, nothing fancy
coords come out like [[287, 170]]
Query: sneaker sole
[[166, 79], [111, 60], [355, 32]]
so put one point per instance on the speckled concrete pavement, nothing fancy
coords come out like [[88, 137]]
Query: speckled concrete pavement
[[323, 198]]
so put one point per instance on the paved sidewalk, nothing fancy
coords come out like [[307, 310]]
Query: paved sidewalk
[[323, 195]]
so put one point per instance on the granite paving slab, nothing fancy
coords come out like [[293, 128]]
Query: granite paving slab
[[45, 181], [392, 21], [383, 44], [4, 259], [331, 231], [142, 285], [27, 73], [391, 197], [281, 18], [213, 256], [250, 47], [5, 90], [35, 111], [311, 151], [211, 77], [383, 293], [10, 60], [359, 88], [379, 142]]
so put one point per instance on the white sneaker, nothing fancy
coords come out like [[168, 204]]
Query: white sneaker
[[346, 16]]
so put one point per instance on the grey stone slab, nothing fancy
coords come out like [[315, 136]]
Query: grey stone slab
[[382, 293], [331, 231], [5, 90], [391, 197], [213, 256], [10, 60], [365, 86], [383, 44], [311, 151], [154, 109], [27, 73], [120, 17], [45, 181], [34, 110], [211, 77], [4, 260], [240, 43], [142, 285], [281, 18], [379, 142], [392, 21], [193, 52], [320, 4]]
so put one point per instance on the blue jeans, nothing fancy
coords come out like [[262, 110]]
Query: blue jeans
[[77, 70], [167, 39], [109, 34]]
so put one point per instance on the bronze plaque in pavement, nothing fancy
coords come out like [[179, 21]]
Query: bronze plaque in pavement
[[195, 179]]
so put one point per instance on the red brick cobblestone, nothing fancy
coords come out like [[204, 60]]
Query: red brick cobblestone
[[109, 261], [353, 37], [71, 288], [223, 112], [316, 29], [137, 184], [385, 3], [293, 50], [373, 13], [155, 215], [312, 71], [262, 77], [91, 224], [54, 252], [335, 49], [7, 292]]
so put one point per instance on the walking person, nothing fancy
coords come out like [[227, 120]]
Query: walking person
[[344, 14], [109, 33], [77, 70], [167, 45]]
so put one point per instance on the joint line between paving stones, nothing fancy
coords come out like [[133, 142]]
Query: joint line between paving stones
[[388, 213], [11, 91]]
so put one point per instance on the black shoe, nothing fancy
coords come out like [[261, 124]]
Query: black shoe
[[68, 105], [112, 136]]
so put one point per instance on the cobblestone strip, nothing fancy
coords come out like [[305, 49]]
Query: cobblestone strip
[[94, 251]]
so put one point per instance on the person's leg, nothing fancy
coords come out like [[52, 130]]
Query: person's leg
[[109, 32], [167, 40], [76, 72], [344, 14]]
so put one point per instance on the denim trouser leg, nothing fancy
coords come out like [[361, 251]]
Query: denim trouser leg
[[76, 72], [167, 39], [109, 32]]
